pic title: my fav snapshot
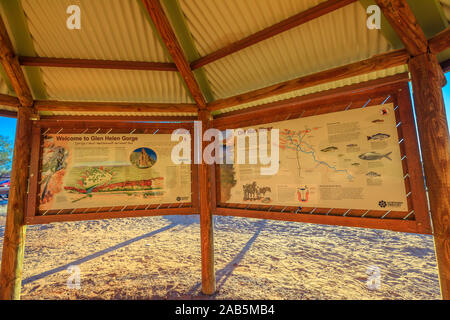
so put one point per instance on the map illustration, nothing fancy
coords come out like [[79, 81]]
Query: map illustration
[[349, 159]]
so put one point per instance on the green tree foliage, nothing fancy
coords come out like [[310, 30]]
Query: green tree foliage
[[6, 151]]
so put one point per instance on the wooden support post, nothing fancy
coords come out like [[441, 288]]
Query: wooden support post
[[14, 239], [427, 79], [206, 218]]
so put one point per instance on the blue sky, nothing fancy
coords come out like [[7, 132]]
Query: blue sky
[[8, 125]]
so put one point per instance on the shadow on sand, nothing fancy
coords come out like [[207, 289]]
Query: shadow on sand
[[223, 274], [97, 254]]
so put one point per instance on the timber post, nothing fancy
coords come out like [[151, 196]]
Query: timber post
[[14, 239], [427, 79], [206, 218]]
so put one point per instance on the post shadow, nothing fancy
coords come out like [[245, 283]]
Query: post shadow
[[223, 274], [96, 254]]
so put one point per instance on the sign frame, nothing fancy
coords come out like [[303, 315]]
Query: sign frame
[[417, 219], [41, 127]]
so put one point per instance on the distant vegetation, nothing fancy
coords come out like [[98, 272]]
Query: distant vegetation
[[6, 151]]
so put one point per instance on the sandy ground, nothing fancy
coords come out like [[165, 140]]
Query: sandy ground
[[159, 258]]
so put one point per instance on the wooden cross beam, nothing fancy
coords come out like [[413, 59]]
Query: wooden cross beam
[[80, 106], [445, 65], [166, 32], [379, 62], [10, 101], [12, 68], [440, 42], [96, 64]]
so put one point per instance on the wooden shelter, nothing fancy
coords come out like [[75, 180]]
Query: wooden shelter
[[228, 64]]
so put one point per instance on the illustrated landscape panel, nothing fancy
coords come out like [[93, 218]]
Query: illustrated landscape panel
[[105, 170]]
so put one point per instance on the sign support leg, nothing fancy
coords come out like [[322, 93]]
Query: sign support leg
[[14, 239], [206, 218], [427, 80]]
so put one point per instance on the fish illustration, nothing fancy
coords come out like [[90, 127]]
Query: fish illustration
[[378, 136], [356, 164], [352, 145], [328, 149], [374, 156], [373, 174], [377, 120]]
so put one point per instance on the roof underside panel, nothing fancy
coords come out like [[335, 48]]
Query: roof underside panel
[[322, 87], [3, 86], [336, 39], [446, 8], [72, 84], [110, 30]]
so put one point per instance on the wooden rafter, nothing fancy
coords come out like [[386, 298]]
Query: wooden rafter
[[72, 106], [440, 42], [17, 22], [403, 21], [378, 62], [96, 64], [445, 65], [12, 68], [184, 36], [166, 32], [8, 113], [10, 101], [357, 90], [282, 26]]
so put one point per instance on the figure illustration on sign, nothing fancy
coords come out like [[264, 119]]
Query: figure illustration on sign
[[253, 192], [143, 158], [53, 169], [303, 193], [374, 156]]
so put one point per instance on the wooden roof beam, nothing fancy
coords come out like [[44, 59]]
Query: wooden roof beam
[[10, 101], [378, 62], [166, 32], [12, 68], [80, 106], [282, 26], [440, 42], [8, 113], [445, 65], [356, 90], [96, 64], [403, 21]]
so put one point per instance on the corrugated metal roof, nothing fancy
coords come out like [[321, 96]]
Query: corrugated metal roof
[[121, 30], [114, 85], [446, 8], [3, 87], [338, 38], [217, 23], [110, 30], [322, 87]]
